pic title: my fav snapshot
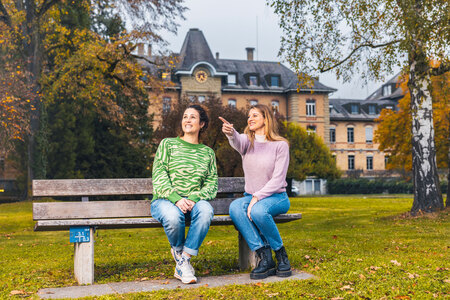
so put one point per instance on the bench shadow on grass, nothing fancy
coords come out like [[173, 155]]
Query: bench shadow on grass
[[162, 269]]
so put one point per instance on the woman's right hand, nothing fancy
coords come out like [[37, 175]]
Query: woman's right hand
[[227, 127]]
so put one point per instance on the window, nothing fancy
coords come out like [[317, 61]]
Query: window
[[231, 79], [201, 99], [274, 81], [2, 165], [389, 107], [310, 129], [387, 90], [166, 104], [354, 109], [372, 109], [386, 161], [311, 107], [332, 135], [350, 135], [232, 102], [253, 102], [369, 161], [275, 105], [253, 80], [369, 134], [351, 162], [331, 108]]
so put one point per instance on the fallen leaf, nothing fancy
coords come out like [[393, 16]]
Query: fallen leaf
[[396, 262], [402, 297], [362, 276], [307, 256], [17, 292], [109, 245], [206, 285], [447, 280], [144, 278], [166, 282], [334, 236], [359, 259], [346, 287], [272, 295], [337, 298]]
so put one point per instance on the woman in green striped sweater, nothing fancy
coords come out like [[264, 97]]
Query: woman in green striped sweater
[[184, 179]]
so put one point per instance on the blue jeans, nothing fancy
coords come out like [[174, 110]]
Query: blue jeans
[[174, 222], [263, 229]]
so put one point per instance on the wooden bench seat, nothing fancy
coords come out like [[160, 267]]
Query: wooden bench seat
[[57, 216]]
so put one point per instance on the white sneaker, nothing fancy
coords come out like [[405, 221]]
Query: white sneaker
[[177, 257], [183, 271]]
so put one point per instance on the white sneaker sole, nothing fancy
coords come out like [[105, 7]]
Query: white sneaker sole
[[192, 280]]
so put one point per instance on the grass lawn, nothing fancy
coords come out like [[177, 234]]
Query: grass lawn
[[358, 247]]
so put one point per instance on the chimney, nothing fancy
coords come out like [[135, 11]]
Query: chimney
[[217, 55], [149, 50], [250, 53], [140, 49]]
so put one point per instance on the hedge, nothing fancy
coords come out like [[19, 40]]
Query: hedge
[[376, 186]]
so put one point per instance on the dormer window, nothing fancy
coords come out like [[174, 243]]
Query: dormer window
[[275, 81], [372, 109], [387, 90], [253, 80], [354, 109], [231, 79]]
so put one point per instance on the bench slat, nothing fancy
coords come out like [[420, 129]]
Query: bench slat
[[108, 187], [60, 225], [91, 209], [107, 209]]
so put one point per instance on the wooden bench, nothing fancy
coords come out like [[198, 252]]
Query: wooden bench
[[54, 216]]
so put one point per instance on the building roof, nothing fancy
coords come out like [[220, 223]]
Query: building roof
[[288, 79], [195, 49], [396, 91], [196, 52]]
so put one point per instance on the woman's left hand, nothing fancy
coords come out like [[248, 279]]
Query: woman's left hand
[[250, 205]]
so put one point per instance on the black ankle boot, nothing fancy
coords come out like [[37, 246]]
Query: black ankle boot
[[266, 265], [284, 267]]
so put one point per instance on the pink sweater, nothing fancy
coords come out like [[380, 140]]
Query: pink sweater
[[265, 165]]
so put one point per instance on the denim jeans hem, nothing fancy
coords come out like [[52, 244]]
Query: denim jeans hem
[[190, 251]]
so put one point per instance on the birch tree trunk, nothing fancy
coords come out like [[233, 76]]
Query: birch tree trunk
[[427, 192]]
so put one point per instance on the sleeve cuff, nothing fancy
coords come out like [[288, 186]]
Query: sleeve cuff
[[174, 197], [194, 198]]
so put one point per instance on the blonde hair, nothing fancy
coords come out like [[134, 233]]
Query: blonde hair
[[270, 125]]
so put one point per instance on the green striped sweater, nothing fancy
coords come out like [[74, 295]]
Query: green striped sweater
[[182, 169]]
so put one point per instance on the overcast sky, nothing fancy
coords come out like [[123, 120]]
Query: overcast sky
[[232, 25]]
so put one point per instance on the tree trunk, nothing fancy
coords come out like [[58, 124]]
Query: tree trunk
[[427, 192]]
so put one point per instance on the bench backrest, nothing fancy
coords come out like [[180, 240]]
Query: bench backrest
[[109, 187]]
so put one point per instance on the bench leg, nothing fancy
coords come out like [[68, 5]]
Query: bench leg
[[247, 258], [84, 261]]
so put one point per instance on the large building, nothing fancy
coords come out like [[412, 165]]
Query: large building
[[352, 128], [244, 82]]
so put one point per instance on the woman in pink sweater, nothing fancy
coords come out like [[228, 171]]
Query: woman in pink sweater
[[265, 160]]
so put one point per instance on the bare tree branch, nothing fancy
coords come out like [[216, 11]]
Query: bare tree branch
[[369, 45], [46, 6], [4, 17]]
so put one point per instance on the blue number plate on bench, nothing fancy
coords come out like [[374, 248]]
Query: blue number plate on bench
[[80, 234]]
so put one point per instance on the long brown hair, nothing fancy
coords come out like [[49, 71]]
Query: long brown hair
[[270, 125]]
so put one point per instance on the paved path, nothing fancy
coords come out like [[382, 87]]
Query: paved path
[[155, 285]]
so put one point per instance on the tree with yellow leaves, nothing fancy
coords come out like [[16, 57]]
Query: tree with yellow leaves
[[394, 131]]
